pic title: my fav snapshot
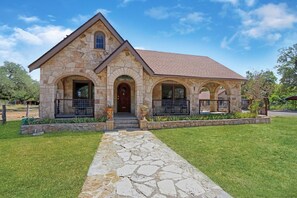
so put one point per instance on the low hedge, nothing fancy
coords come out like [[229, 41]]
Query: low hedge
[[33, 121], [202, 117]]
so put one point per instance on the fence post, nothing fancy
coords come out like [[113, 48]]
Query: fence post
[[27, 109], [3, 114]]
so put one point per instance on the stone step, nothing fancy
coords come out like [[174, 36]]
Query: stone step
[[126, 121], [126, 126]]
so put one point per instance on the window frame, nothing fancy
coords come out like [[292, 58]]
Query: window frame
[[90, 89], [99, 33], [173, 94]]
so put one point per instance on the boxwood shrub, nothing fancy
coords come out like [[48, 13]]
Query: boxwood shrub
[[202, 117]]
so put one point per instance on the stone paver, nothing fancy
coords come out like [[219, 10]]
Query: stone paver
[[137, 164]]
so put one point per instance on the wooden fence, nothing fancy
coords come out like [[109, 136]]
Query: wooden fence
[[3, 114]]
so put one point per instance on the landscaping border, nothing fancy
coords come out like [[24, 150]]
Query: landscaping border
[[195, 123], [56, 127]]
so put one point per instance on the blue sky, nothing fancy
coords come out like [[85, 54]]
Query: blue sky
[[241, 34]]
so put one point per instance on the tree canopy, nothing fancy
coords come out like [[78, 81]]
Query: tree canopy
[[259, 85], [16, 83], [287, 66]]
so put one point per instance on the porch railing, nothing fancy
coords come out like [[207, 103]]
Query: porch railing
[[171, 107], [70, 108], [214, 106]]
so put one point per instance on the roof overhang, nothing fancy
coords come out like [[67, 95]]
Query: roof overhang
[[62, 44], [125, 46]]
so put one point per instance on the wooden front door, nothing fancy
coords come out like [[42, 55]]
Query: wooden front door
[[124, 98]]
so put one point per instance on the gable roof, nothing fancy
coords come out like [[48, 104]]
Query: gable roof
[[128, 46], [49, 54], [173, 64]]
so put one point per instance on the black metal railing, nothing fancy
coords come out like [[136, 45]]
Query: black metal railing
[[214, 106], [171, 107], [70, 108]]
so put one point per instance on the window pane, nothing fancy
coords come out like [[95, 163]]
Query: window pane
[[179, 92], [81, 91], [167, 91], [99, 41]]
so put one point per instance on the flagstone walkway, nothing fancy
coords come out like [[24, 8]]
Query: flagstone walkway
[[137, 164]]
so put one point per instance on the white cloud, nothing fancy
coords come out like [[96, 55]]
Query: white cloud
[[25, 45], [250, 3], [233, 2], [103, 11], [186, 21], [125, 2], [140, 48], [160, 12], [225, 43], [267, 19], [80, 19], [190, 23], [29, 19]]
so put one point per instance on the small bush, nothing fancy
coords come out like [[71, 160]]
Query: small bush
[[202, 117], [32, 121]]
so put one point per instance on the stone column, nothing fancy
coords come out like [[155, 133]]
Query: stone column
[[47, 101], [213, 104]]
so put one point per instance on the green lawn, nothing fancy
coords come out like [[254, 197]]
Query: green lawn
[[51, 165], [245, 160]]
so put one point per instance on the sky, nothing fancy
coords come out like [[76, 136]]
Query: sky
[[244, 35]]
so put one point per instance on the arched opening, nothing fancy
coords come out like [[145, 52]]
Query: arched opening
[[214, 98], [124, 95], [74, 97], [170, 98]]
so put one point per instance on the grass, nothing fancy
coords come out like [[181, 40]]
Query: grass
[[51, 165], [245, 160]]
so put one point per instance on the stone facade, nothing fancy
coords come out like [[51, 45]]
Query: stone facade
[[46, 128], [196, 123], [78, 60]]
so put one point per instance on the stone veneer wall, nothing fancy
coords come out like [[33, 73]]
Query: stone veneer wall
[[30, 129], [193, 87], [78, 58], [196, 123]]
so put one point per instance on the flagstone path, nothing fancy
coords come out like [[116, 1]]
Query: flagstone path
[[137, 164]]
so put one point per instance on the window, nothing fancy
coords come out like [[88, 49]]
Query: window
[[82, 90], [173, 92], [99, 40]]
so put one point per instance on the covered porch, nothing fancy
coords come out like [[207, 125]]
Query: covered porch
[[74, 97]]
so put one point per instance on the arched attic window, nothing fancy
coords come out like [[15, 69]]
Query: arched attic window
[[99, 40]]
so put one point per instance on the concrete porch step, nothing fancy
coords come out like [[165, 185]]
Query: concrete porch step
[[125, 121], [126, 126]]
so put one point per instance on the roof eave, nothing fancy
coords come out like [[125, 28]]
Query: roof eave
[[125, 45], [62, 44]]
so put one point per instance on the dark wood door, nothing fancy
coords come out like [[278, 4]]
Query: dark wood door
[[124, 98]]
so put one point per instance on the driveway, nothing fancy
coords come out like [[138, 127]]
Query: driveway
[[137, 164], [282, 113]]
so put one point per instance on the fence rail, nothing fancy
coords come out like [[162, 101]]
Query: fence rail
[[69, 108], [171, 107], [214, 106]]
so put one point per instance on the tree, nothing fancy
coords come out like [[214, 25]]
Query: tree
[[259, 85], [16, 84], [287, 66]]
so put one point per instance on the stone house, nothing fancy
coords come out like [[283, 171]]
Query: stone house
[[94, 67]]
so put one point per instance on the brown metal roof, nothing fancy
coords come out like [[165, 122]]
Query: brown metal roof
[[128, 46], [173, 64], [49, 54], [291, 98]]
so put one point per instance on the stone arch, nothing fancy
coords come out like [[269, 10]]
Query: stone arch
[[137, 77], [174, 80], [225, 85], [80, 72]]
